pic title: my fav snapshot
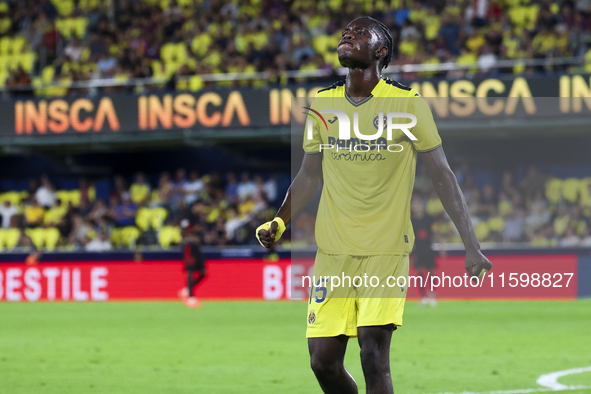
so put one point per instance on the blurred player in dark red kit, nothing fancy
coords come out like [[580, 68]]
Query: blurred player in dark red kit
[[194, 263], [423, 254]]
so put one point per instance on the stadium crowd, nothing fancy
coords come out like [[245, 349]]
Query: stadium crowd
[[540, 210], [64, 41], [219, 210]]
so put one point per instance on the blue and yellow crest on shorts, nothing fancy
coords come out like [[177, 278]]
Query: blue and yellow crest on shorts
[[311, 317]]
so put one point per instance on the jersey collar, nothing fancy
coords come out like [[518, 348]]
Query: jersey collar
[[377, 90]]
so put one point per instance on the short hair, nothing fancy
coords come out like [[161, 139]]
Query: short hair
[[386, 38]]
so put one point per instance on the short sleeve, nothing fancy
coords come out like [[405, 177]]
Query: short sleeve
[[425, 130], [312, 138]]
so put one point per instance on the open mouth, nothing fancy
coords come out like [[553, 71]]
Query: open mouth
[[346, 43]]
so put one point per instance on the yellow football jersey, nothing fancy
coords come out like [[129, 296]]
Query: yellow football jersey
[[365, 204]]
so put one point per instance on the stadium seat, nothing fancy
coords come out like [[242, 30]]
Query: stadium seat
[[129, 236], [5, 45], [560, 224], [27, 61], [158, 217], [3, 76], [74, 197], [570, 189], [10, 238], [92, 193], [37, 236], [19, 43], [505, 207], [169, 235], [54, 215], [196, 83], [157, 70], [13, 197], [64, 27], [116, 237], [47, 74], [52, 237], [554, 190], [481, 230], [87, 5], [79, 25], [142, 218], [585, 191], [200, 44], [496, 223], [167, 52], [434, 206], [64, 7]]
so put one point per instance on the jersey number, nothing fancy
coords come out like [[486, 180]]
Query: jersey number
[[318, 288]]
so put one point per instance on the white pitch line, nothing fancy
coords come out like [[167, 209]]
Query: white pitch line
[[549, 381], [523, 391]]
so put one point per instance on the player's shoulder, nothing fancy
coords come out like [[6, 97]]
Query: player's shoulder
[[335, 90], [396, 89]]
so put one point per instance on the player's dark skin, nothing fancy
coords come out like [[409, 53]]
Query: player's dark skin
[[361, 50]]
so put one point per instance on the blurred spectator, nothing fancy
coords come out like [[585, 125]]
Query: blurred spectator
[[18, 83], [140, 190], [100, 243], [124, 212], [55, 214], [232, 187], [246, 187], [74, 50], [570, 239], [193, 187], [177, 192], [7, 211], [586, 238], [45, 195], [233, 223], [80, 231], [34, 214], [532, 183], [513, 227], [164, 189], [99, 211], [120, 187], [270, 189], [85, 192]]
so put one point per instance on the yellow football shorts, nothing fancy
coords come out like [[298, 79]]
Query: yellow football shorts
[[374, 296]]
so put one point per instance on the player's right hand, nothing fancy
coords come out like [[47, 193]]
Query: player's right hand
[[270, 232], [267, 237]]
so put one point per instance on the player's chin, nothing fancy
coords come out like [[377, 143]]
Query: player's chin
[[345, 59]]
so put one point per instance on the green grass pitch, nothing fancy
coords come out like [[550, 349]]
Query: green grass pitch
[[259, 347]]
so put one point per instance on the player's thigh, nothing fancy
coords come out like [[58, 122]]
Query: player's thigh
[[327, 350]]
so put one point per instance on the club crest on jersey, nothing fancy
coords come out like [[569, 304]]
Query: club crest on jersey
[[311, 317], [376, 119]]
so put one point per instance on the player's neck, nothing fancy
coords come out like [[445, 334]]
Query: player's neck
[[361, 81]]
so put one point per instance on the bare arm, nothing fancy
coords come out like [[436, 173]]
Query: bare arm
[[452, 198], [299, 194]]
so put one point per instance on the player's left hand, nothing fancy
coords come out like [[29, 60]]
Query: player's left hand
[[477, 264]]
